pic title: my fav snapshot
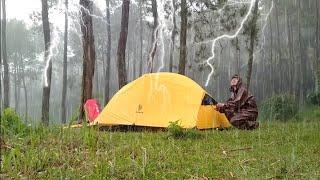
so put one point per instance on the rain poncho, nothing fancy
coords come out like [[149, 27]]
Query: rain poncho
[[241, 108]]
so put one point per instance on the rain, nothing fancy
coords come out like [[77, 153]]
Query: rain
[[134, 88]]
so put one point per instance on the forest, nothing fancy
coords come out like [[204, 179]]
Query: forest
[[57, 54], [284, 52]]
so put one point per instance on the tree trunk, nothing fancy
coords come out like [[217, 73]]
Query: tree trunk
[[19, 80], [65, 66], [96, 78], [173, 36], [153, 49], [25, 97], [108, 58], [122, 75], [183, 37], [290, 46], [134, 74], [272, 61], [0, 59], [317, 49], [237, 57], [303, 62], [88, 54], [253, 32], [14, 72], [280, 77], [6, 78], [46, 89], [141, 37], [128, 60]]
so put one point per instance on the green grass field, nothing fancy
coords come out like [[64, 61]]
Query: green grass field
[[277, 150]]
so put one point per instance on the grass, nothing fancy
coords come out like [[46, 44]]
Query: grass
[[277, 150]]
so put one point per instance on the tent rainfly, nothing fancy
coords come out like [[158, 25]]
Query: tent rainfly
[[155, 100]]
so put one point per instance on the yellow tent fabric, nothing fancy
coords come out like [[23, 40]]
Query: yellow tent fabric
[[155, 100]]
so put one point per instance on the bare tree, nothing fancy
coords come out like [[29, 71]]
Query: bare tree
[[183, 37], [122, 75], [65, 66], [6, 75], [253, 34], [46, 89], [88, 53], [108, 59]]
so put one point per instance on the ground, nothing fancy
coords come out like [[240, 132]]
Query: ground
[[276, 150]]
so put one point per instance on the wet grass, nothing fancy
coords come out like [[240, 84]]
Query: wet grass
[[277, 150]]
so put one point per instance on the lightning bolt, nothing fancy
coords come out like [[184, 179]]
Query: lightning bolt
[[74, 12], [160, 29], [163, 27], [57, 29], [53, 43], [264, 27], [225, 36]]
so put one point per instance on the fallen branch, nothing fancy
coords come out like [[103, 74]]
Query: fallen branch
[[226, 152], [240, 149]]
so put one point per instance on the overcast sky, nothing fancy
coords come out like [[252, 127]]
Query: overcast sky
[[21, 9]]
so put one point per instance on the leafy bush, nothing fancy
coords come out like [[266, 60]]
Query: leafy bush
[[314, 98], [309, 114], [279, 107], [177, 132], [11, 123]]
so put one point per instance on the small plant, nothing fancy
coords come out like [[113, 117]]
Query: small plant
[[11, 123], [314, 98], [279, 107], [177, 132]]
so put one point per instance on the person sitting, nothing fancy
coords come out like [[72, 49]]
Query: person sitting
[[241, 108]]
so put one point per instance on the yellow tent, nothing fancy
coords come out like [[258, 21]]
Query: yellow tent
[[155, 100]]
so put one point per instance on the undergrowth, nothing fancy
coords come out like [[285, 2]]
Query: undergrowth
[[177, 132], [277, 150]]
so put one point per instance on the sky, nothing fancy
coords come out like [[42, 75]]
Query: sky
[[21, 9]]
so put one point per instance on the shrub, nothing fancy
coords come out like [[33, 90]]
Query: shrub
[[314, 98], [177, 132], [309, 114], [279, 107], [11, 123]]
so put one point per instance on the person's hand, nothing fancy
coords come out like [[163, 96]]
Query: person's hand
[[220, 105]]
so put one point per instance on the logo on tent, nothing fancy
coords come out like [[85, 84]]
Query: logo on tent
[[139, 110]]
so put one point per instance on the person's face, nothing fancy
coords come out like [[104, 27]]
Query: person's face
[[234, 82]]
